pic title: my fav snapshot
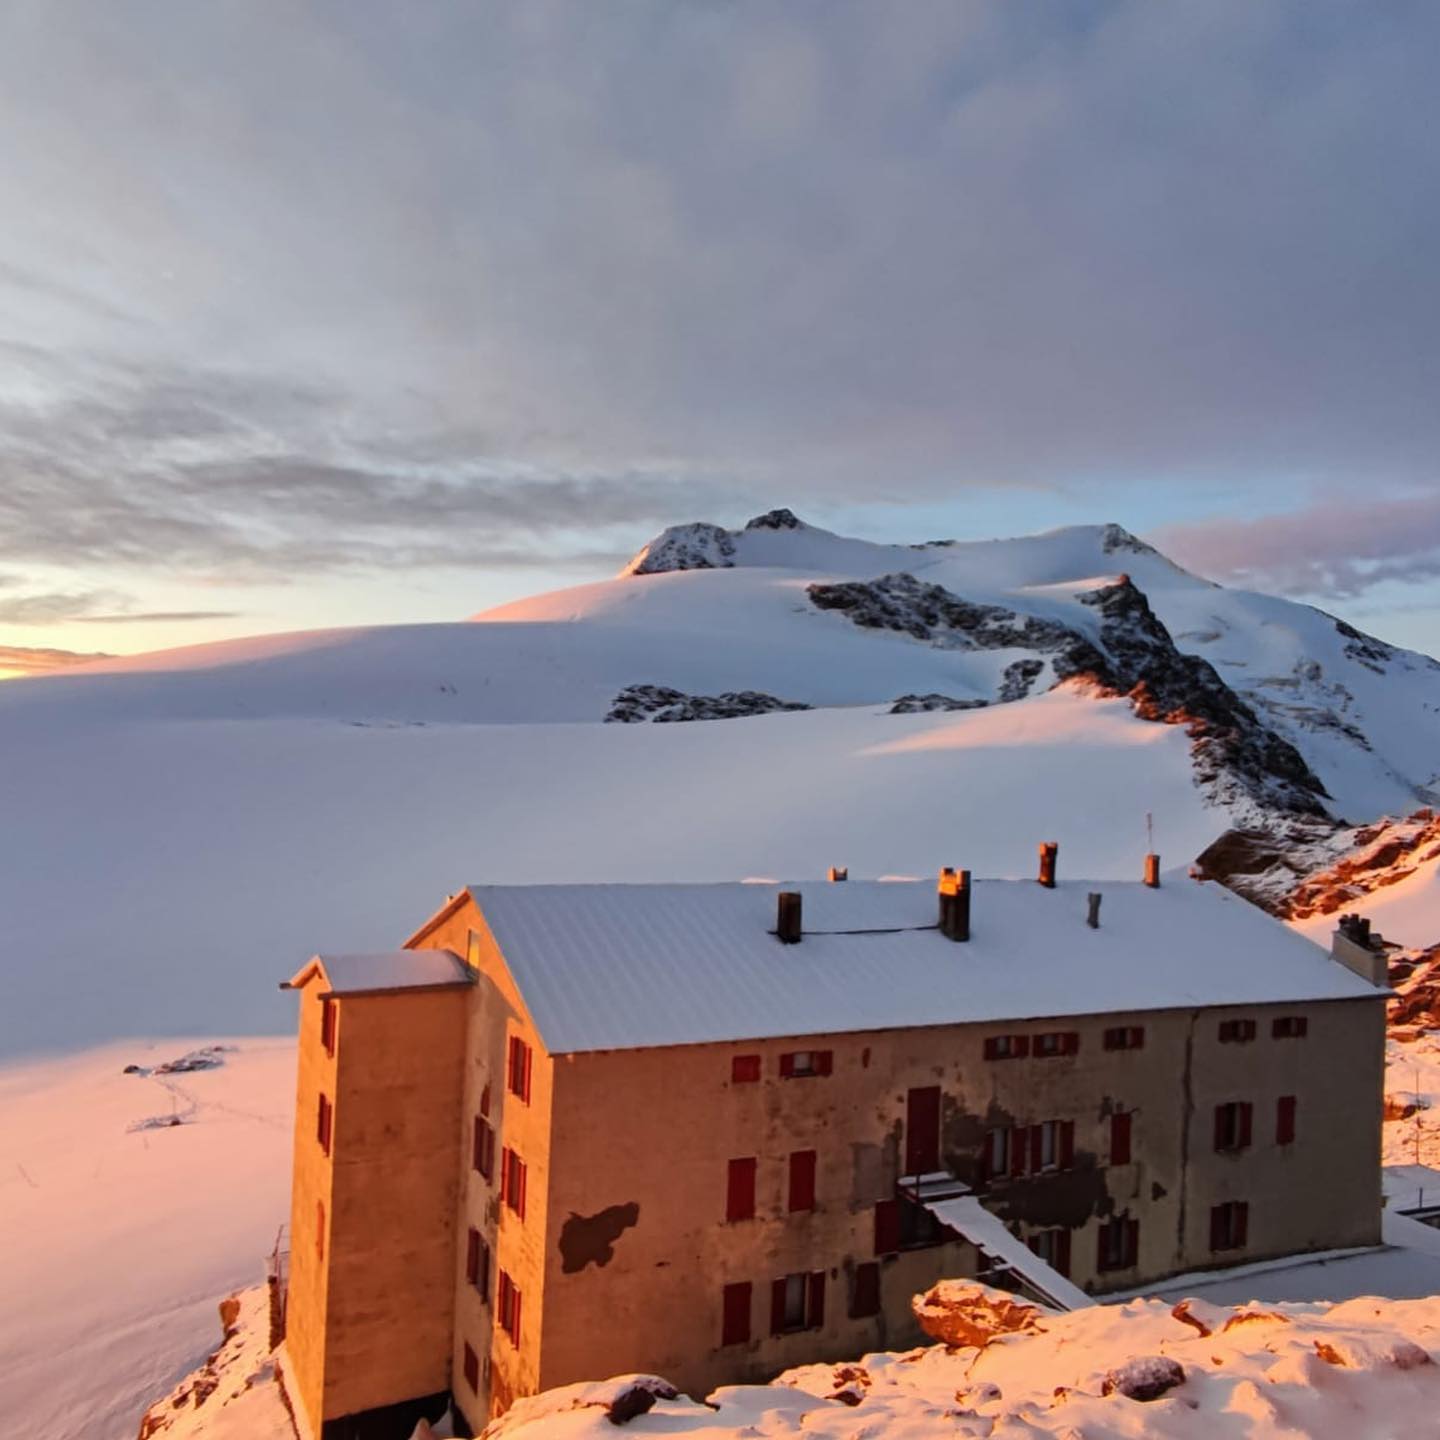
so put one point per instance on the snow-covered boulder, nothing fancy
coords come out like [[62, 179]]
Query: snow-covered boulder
[[962, 1313]]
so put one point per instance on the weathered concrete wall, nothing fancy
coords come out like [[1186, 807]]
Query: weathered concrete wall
[[494, 1014], [391, 1192], [645, 1136]]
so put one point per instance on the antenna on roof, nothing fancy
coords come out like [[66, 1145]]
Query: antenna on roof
[[1149, 833]]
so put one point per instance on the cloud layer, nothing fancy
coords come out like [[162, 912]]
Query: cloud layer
[[446, 285]]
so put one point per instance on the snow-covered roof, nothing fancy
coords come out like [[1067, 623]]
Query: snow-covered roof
[[386, 970], [624, 966], [1411, 1187]]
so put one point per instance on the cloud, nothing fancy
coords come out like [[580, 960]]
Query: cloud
[[426, 283], [89, 607], [1333, 548], [34, 660]]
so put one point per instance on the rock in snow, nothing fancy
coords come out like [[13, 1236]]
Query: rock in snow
[[637, 703]]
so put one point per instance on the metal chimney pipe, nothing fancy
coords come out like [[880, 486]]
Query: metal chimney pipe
[[1093, 918], [787, 917], [1049, 850], [1152, 871]]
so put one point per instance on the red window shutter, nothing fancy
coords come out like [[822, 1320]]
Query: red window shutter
[[744, 1068], [1139, 1037], [1120, 1138], [529, 1055], [787, 1066], [740, 1190], [327, 1026], [777, 1306], [1021, 1045], [510, 1063], [1242, 1221], [992, 1048], [887, 1227], [515, 1315], [824, 1061], [735, 1314], [1220, 1127], [1017, 1150], [815, 1310], [472, 1255], [1247, 1111], [1062, 1253], [1072, 1042], [802, 1180], [1217, 1227], [520, 1204], [471, 1366], [505, 1175], [1037, 1147], [1067, 1145], [865, 1297], [1285, 1120]]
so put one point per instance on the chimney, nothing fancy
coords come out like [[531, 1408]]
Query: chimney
[[955, 904], [1049, 849], [1353, 947], [1093, 918], [838, 872], [1152, 871], [787, 917]]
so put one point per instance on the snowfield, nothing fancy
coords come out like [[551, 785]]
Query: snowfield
[[184, 829]]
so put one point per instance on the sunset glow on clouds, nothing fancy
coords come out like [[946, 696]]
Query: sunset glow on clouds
[[385, 315]]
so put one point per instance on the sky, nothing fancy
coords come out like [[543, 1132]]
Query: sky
[[348, 313]]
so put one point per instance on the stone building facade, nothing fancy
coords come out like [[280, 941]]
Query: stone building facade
[[576, 1131]]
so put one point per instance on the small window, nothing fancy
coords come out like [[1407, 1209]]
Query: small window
[[735, 1314], [744, 1069], [1229, 1224], [1120, 1137], [472, 949], [887, 1227], [1285, 1120], [470, 1363], [740, 1190], [324, 1123], [1007, 1047], [482, 1149], [865, 1291], [1125, 1037], [802, 1180], [797, 1302], [1236, 1032], [919, 1227], [801, 1063], [1119, 1246], [512, 1181], [1289, 1027], [998, 1150], [327, 1026], [1233, 1125], [477, 1263], [320, 1230], [517, 1070], [1053, 1247], [507, 1306], [1056, 1042]]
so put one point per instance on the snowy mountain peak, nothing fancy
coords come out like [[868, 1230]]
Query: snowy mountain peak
[[781, 519]]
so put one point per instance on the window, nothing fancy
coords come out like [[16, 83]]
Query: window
[[1125, 1037], [1120, 1138], [477, 1263], [482, 1149], [517, 1069], [998, 1149], [887, 1227], [744, 1068], [1056, 1042], [1053, 1247], [1236, 1032], [1017, 1150], [1285, 1120], [1232, 1125], [324, 1123], [797, 1302], [922, 1130], [327, 1026], [1007, 1047], [1119, 1244], [470, 1363], [735, 1314], [800, 1063], [507, 1306], [1228, 1225], [512, 1181], [472, 949], [320, 1230], [740, 1190], [919, 1229], [865, 1291], [1289, 1027], [802, 1180]]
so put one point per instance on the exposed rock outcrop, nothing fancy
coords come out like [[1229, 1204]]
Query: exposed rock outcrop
[[638, 703], [918, 704], [964, 1312]]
